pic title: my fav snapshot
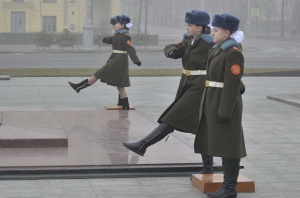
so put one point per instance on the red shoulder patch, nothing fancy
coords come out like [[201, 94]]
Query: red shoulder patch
[[235, 69], [128, 42]]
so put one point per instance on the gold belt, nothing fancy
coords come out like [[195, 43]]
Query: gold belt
[[193, 72], [119, 52], [214, 84]]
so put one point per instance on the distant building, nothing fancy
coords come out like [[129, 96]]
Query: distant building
[[26, 16]]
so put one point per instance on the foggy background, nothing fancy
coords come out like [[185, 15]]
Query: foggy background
[[271, 29], [257, 17]]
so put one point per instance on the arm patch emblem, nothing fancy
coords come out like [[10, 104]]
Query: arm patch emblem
[[128, 42], [235, 69]]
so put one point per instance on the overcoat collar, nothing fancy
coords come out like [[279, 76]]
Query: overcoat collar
[[196, 38], [226, 45], [122, 31]]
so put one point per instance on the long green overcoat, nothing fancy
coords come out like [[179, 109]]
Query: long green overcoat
[[116, 70], [225, 64], [183, 113]]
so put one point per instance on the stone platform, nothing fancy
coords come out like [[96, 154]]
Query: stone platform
[[115, 107], [208, 183], [32, 137], [4, 77], [94, 139]]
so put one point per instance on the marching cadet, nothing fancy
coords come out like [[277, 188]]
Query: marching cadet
[[113, 22], [183, 113], [115, 72], [220, 131]]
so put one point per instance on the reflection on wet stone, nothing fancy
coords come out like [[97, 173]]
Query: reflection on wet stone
[[117, 132], [94, 138]]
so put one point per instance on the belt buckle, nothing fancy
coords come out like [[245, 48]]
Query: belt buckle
[[207, 83], [187, 72]]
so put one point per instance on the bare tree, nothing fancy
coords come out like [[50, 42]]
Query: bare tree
[[282, 19]]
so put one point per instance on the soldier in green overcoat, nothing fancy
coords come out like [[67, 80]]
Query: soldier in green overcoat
[[183, 113], [220, 131], [116, 70]]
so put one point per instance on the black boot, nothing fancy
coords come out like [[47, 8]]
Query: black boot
[[231, 173], [125, 103], [79, 86], [156, 135], [119, 101], [207, 164]]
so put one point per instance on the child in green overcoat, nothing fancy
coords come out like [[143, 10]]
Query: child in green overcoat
[[220, 131], [116, 70]]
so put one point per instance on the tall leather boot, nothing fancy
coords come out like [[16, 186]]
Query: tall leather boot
[[119, 101], [79, 86], [207, 164], [125, 103], [231, 173], [156, 135]]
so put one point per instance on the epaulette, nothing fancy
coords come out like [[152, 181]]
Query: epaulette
[[229, 44], [207, 38]]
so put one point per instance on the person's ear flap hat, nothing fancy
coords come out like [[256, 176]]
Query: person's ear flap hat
[[113, 20], [226, 21], [123, 19], [197, 17]]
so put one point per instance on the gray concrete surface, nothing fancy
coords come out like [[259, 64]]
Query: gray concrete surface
[[271, 123], [292, 99], [271, 131]]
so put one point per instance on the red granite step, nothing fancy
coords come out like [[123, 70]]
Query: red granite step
[[115, 107], [207, 183], [31, 137]]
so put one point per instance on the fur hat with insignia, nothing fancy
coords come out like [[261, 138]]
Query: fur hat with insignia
[[197, 17], [123, 19], [113, 20], [226, 21]]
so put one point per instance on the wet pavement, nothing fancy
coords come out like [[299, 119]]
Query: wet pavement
[[93, 138], [271, 130]]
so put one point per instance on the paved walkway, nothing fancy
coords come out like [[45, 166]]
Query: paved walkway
[[271, 133]]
